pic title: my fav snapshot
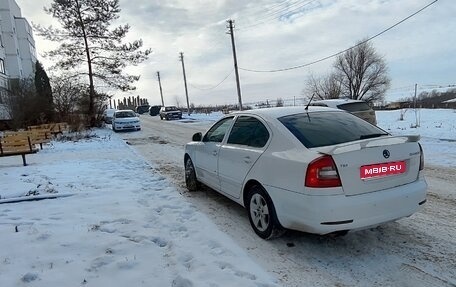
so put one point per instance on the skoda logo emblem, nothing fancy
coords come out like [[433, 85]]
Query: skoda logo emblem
[[386, 153]]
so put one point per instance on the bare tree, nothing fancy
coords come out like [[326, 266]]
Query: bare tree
[[363, 73], [67, 93], [279, 102], [325, 87], [177, 99]]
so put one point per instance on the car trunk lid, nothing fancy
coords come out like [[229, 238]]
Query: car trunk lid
[[375, 164]]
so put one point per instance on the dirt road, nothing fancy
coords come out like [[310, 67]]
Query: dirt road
[[415, 251]]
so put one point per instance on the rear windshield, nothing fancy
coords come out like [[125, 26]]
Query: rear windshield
[[329, 128], [354, 107]]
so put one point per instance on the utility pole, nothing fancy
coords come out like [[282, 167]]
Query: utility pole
[[160, 85], [181, 58], [416, 113], [238, 85]]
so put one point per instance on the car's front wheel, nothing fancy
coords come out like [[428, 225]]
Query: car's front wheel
[[190, 176], [262, 214]]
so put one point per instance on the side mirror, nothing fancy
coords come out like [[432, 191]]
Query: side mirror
[[197, 137]]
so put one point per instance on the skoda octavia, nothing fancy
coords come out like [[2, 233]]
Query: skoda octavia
[[315, 169]]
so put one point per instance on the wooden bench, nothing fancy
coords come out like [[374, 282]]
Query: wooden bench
[[37, 136], [16, 145], [53, 128]]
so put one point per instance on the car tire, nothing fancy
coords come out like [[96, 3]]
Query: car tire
[[114, 128], [262, 215], [190, 176], [161, 118]]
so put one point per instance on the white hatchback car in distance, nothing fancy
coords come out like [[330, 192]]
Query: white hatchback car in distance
[[318, 170]]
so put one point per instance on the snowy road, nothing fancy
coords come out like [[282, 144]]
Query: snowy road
[[416, 251]]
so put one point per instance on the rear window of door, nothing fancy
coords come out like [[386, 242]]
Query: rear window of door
[[329, 128], [248, 131]]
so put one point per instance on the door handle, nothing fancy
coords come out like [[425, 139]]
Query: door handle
[[247, 159], [214, 153]]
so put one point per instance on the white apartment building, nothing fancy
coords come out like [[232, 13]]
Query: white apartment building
[[17, 51]]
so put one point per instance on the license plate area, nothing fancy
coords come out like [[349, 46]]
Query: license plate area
[[382, 170]]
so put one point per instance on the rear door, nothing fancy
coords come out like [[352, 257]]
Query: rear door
[[247, 141]]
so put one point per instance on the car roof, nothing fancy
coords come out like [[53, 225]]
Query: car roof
[[124, 111], [333, 103], [284, 111]]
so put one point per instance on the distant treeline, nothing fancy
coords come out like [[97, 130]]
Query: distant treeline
[[433, 99]]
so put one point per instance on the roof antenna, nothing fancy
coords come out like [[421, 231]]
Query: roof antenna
[[311, 98]]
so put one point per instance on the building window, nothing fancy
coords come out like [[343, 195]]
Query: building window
[[2, 66]]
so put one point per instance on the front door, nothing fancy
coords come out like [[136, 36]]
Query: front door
[[207, 154], [245, 144]]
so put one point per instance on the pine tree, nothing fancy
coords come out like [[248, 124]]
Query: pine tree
[[44, 92], [87, 39]]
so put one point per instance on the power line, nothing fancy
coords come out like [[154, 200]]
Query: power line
[[343, 51], [280, 14], [213, 87], [268, 10]]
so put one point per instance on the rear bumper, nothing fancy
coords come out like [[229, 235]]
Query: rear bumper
[[326, 214]]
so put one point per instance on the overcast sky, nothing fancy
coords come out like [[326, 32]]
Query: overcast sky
[[274, 34]]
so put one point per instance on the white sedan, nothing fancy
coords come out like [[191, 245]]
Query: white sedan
[[318, 170], [125, 120]]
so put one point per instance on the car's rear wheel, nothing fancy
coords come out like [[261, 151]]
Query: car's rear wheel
[[262, 214], [190, 176]]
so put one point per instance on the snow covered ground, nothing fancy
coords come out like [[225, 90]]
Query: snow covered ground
[[437, 128], [123, 225], [127, 220]]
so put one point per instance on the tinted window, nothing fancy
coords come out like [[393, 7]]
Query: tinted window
[[354, 107], [218, 131], [248, 131], [328, 128], [126, 114]]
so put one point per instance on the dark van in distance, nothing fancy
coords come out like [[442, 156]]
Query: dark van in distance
[[142, 109]]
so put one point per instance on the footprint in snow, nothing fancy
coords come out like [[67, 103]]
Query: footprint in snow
[[187, 260], [181, 282], [43, 237], [29, 277], [180, 230], [127, 264], [159, 241], [228, 267], [100, 262]]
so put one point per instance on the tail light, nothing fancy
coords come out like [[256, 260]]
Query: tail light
[[421, 158], [322, 172]]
